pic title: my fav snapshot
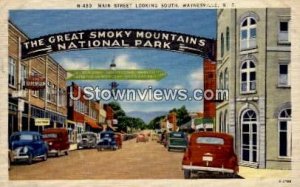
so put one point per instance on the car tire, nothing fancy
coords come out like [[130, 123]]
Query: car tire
[[45, 157], [233, 175], [66, 153], [169, 149], [29, 160], [187, 174]]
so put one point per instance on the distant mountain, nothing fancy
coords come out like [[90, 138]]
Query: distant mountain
[[146, 116]]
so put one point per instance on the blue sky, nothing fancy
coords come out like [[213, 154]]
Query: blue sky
[[184, 71]]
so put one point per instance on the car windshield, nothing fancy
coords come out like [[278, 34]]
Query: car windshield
[[26, 137], [176, 135], [210, 140], [52, 135], [87, 136], [107, 135]]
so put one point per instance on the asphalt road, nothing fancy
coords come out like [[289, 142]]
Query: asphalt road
[[134, 161]]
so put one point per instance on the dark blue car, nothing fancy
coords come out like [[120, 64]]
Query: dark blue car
[[107, 141], [27, 145]]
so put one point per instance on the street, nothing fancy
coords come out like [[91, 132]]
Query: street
[[134, 161]]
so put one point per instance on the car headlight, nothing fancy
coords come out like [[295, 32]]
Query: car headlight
[[25, 149]]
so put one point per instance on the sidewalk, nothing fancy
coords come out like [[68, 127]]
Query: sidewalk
[[252, 173]]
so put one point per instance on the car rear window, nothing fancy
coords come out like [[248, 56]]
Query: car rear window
[[210, 140], [26, 137], [52, 135], [176, 135]]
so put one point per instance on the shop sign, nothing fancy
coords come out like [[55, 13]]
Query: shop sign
[[35, 82], [42, 121]]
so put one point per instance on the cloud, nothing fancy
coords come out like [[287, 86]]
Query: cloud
[[123, 62], [72, 64], [196, 79], [177, 86]]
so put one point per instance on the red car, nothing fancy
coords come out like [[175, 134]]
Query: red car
[[141, 138], [210, 152], [57, 140], [119, 140]]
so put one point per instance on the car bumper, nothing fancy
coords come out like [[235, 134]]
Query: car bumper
[[177, 146], [53, 151], [20, 157], [210, 169]]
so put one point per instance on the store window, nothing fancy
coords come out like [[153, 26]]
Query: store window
[[249, 136], [248, 33], [285, 133], [221, 122]]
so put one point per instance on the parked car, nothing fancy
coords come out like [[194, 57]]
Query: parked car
[[87, 140], [210, 152], [176, 140], [141, 138], [58, 141], [107, 141], [28, 146], [119, 140]]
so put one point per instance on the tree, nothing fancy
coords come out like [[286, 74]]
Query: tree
[[182, 115], [155, 122], [125, 121]]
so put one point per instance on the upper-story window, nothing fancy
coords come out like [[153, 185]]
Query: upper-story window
[[226, 86], [24, 75], [248, 77], [49, 86], [284, 75], [12, 71], [284, 31], [35, 92], [227, 39], [222, 45], [221, 81], [248, 33]]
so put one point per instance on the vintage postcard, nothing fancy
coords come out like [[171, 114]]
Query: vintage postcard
[[149, 93]]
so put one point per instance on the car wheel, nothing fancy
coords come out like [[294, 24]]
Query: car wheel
[[30, 158], [187, 174], [233, 175], [66, 153], [57, 154], [45, 157], [168, 148]]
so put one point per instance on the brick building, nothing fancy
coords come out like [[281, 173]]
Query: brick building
[[84, 114], [209, 109], [26, 105]]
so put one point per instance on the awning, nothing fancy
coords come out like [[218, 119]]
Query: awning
[[93, 124]]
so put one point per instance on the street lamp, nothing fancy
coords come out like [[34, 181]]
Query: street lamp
[[113, 85]]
